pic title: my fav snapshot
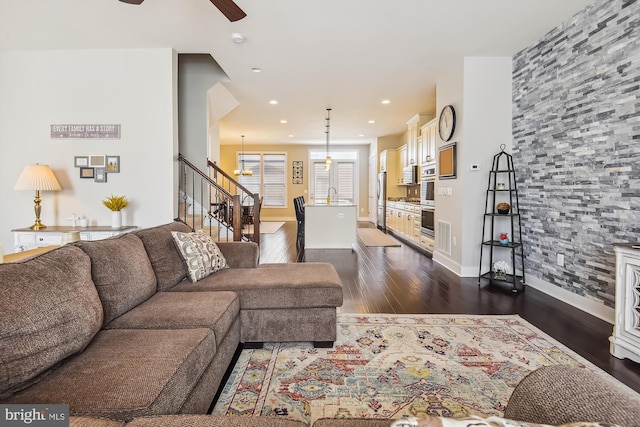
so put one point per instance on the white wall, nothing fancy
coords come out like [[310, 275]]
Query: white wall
[[487, 124], [134, 88], [197, 74], [449, 91], [480, 91]]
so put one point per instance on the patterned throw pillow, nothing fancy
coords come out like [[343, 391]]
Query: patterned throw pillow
[[200, 253]]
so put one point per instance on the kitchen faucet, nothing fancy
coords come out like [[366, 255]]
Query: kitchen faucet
[[329, 194]]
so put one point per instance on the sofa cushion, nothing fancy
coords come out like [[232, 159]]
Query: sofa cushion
[[299, 285], [50, 310], [121, 271], [562, 394], [200, 253], [93, 422], [174, 310], [165, 258], [240, 254], [126, 373]]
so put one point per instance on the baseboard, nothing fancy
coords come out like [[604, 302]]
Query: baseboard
[[447, 263], [578, 301]]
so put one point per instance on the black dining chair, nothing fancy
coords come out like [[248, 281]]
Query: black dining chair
[[298, 203]]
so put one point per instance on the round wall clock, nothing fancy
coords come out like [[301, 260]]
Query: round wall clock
[[447, 122]]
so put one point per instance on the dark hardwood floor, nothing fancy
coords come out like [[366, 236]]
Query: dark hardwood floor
[[401, 280]]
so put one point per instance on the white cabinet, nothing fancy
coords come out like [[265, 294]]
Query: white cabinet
[[383, 161], [26, 238], [405, 219], [427, 150], [413, 132], [625, 341], [402, 159]]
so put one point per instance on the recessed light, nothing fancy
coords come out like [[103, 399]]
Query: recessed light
[[290, 136], [237, 37], [371, 122], [256, 69], [386, 101], [273, 102], [283, 121], [361, 135]]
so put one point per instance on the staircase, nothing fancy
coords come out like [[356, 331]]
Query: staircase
[[217, 203]]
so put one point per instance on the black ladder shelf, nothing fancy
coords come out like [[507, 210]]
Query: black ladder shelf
[[498, 222]]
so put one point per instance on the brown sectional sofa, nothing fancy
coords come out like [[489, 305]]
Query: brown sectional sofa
[[114, 329]]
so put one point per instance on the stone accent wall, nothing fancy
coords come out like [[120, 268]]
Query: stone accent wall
[[576, 130]]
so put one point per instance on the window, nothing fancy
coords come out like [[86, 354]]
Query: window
[[268, 179], [339, 179]]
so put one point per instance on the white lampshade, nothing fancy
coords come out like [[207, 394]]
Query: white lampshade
[[37, 177]]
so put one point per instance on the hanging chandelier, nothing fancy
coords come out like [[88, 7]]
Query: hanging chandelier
[[327, 162], [242, 170]]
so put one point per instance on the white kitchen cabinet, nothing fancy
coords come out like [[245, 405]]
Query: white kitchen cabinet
[[405, 220], [413, 132], [26, 238], [401, 159], [427, 152], [625, 340], [383, 161]]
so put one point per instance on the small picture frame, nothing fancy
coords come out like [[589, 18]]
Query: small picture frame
[[297, 172], [87, 172], [97, 161], [81, 161], [101, 175], [113, 164]]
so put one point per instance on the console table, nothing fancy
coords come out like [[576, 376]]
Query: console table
[[625, 341], [26, 238]]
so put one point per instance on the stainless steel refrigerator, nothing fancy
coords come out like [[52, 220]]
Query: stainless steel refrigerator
[[381, 192]]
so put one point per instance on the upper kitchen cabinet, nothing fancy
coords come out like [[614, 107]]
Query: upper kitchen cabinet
[[402, 158], [413, 133], [427, 142]]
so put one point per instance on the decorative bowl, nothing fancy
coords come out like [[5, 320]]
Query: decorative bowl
[[503, 208]]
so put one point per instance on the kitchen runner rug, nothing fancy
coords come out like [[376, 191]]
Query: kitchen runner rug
[[388, 366], [375, 237]]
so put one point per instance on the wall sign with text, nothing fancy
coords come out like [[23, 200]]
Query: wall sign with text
[[85, 131]]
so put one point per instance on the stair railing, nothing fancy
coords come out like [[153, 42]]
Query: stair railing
[[209, 202]]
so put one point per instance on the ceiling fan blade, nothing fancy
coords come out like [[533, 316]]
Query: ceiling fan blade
[[229, 9], [132, 1]]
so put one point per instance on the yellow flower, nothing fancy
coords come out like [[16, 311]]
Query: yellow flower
[[116, 203]]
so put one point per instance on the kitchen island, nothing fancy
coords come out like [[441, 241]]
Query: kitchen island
[[330, 226]]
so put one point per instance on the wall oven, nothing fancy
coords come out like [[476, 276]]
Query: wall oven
[[427, 226], [427, 186]]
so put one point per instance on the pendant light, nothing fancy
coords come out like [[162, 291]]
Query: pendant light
[[242, 170], [327, 162]]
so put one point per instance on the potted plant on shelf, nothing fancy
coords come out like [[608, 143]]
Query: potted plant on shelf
[[116, 204], [501, 269]]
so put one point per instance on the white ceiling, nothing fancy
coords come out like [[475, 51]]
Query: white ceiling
[[345, 54]]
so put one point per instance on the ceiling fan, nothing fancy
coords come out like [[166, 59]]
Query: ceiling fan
[[227, 7]]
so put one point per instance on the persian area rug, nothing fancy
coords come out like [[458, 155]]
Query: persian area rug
[[387, 366], [375, 237]]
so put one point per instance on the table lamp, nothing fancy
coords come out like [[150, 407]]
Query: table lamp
[[39, 178]]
